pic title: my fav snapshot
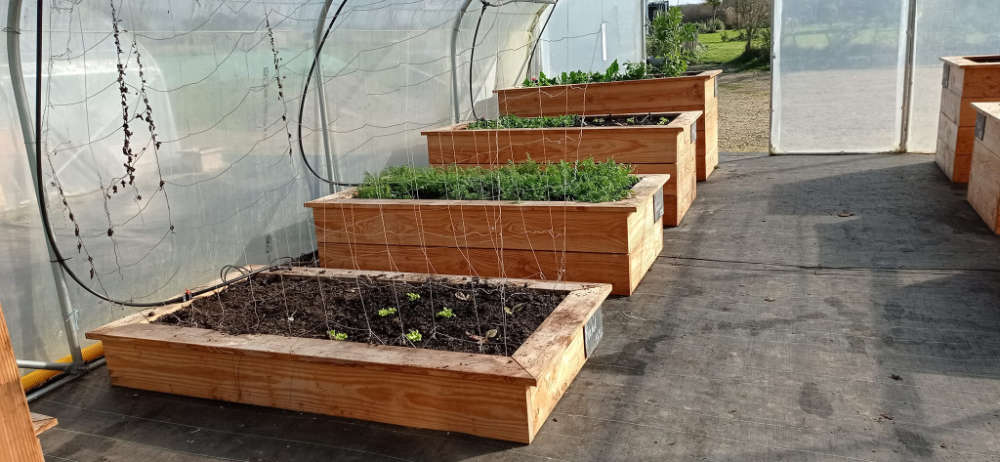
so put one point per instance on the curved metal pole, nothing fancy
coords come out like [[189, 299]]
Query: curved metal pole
[[28, 133], [456, 116], [454, 60], [332, 170]]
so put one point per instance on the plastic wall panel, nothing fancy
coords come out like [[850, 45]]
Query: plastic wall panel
[[389, 76], [838, 75], [573, 39], [233, 191], [945, 28]]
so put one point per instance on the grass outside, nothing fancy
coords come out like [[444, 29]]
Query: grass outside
[[728, 55]]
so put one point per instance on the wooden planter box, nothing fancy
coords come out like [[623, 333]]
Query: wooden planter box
[[507, 398], [651, 149], [984, 175], [967, 80], [696, 91], [610, 242]]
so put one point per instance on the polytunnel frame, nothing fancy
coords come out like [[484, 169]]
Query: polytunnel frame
[[78, 363]]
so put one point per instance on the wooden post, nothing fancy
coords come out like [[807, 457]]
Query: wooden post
[[17, 435]]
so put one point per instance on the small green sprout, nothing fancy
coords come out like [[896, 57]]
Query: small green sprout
[[414, 335], [631, 120], [663, 121], [334, 335], [412, 296], [387, 312], [446, 313]]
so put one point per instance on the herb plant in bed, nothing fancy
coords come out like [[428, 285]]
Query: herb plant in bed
[[660, 143], [631, 92], [585, 222], [479, 356]]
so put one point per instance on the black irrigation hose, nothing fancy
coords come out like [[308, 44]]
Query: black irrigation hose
[[43, 208], [302, 100], [475, 35], [472, 59]]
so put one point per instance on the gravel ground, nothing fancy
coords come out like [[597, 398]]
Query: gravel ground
[[744, 112]]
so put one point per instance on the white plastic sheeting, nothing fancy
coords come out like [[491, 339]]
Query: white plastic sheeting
[[232, 193], [589, 34], [945, 28], [839, 70]]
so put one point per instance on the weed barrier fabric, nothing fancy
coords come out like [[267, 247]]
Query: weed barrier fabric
[[471, 317]]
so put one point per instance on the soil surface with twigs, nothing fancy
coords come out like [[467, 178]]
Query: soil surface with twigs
[[485, 318], [745, 112]]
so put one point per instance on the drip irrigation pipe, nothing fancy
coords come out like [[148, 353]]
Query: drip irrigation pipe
[[305, 91], [475, 35]]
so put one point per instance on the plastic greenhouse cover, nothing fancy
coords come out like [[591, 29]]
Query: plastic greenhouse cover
[[217, 176]]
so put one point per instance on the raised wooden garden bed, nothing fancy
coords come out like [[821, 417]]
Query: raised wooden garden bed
[[502, 397], [984, 175], [695, 91], [650, 149], [609, 242], [967, 80]]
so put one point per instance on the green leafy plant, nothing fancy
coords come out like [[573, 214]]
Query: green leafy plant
[[512, 121], [671, 43], [663, 121], [334, 335], [413, 296], [387, 312], [633, 71], [446, 313], [582, 181], [414, 335]]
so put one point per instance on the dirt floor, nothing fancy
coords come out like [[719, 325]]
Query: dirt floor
[[744, 112]]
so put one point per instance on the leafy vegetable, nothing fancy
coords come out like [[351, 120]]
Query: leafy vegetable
[[582, 181], [383, 312], [334, 335]]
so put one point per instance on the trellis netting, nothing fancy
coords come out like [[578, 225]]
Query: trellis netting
[[209, 174]]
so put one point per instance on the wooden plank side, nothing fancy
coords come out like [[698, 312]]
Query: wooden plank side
[[608, 268], [554, 354], [476, 227], [553, 383], [967, 118], [647, 243], [17, 435], [681, 190], [708, 141], [981, 82], [42, 423], [945, 159], [947, 138], [991, 132], [956, 77], [482, 408], [984, 185], [646, 144], [413, 361], [651, 95], [951, 103]]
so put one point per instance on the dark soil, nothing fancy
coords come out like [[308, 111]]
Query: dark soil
[[312, 307]]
